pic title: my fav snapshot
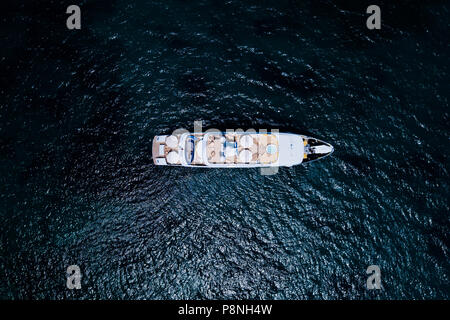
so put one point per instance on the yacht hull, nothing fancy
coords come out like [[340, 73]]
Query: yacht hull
[[237, 149]]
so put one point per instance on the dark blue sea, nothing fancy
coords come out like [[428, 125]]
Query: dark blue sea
[[79, 110]]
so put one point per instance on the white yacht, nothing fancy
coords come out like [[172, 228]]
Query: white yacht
[[237, 149]]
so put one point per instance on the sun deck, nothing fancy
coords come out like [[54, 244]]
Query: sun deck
[[242, 148], [162, 147]]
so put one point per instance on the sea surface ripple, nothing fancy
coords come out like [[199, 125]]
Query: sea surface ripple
[[79, 109]]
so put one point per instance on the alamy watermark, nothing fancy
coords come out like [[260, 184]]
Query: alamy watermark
[[374, 280], [74, 20], [73, 277], [374, 20]]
